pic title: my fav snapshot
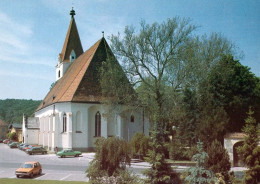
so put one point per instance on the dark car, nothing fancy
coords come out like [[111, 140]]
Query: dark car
[[36, 150], [13, 145]]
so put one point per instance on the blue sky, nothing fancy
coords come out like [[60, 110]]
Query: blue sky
[[32, 32]]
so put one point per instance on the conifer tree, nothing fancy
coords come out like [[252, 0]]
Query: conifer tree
[[250, 151], [218, 161], [199, 174]]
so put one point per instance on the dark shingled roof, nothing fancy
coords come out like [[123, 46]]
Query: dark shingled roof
[[81, 81]]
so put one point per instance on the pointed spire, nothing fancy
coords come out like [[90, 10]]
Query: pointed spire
[[72, 41]]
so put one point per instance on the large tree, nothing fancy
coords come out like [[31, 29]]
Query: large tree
[[234, 88], [153, 58]]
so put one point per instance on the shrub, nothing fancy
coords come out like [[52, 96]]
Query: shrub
[[112, 156], [250, 150], [199, 173], [218, 161], [160, 171], [12, 136], [140, 145], [178, 152]]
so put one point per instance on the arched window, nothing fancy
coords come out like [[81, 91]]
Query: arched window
[[132, 119], [59, 74], [97, 125], [64, 123]]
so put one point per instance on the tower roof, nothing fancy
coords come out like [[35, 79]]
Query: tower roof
[[72, 41], [81, 81]]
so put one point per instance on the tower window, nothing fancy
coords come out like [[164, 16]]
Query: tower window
[[97, 125], [64, 123], [59, 74]]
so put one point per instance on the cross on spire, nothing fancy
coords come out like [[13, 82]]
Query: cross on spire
[[72, 13]]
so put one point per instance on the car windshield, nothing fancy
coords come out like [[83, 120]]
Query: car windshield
[[26, 166]]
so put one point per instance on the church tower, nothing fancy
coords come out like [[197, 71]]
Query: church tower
[[71, 50]]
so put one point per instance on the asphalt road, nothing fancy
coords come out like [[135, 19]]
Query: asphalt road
[[54, 168]]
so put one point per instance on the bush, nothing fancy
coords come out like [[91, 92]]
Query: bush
[[160, 171], [123, 177], [111, 158], [178, 152], [199, 173], [218, 161], [12, 136], [140, 145]]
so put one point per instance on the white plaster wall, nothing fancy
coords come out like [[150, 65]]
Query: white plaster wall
[[116, 124], [32, 136]]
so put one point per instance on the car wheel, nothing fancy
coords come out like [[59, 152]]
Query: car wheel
[[40, 172], [62, 156], [30, 153], [17, 176], [31, 175]]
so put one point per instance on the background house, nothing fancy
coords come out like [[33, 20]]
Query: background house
[[31, 130], [17, 128]]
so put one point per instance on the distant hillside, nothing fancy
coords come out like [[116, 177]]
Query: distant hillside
[[12, 110]]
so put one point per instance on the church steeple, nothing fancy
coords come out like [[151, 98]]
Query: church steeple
[[71, 49], [72, 40]]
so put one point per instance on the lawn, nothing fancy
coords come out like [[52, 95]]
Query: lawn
[[30, 181]]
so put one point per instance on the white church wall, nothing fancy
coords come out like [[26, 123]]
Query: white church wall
[[81, 135]]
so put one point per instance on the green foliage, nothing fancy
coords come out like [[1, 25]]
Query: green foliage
[[218, 161], [112, 156], [123, 177], [178, 151], [160, 171], [187, 118], [12, 136], [199, 174], [140, 144], [234, 88], [250, 150], [12, 110]]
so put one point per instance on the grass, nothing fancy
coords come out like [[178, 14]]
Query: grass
[[30, 181]]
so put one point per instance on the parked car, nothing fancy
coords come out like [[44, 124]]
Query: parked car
[[36, 150], [26, 147], [1, 140], [10, 142], [20, 145], [6, 141], [68, 153], [29, 169], [13, 145]]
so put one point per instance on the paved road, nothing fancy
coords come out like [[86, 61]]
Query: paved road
[[65, 169], [54, 168]]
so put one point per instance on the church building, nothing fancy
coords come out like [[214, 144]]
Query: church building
[[72, 114]]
